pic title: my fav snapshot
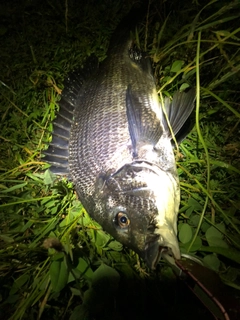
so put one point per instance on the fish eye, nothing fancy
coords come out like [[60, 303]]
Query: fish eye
[[122, 220]]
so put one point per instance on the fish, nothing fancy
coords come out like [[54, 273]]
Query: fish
[[113, 138]]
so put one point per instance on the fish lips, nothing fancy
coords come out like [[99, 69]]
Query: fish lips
[[152, 251], [156, 244]]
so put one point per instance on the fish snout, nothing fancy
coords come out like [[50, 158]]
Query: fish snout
[[165, 241]]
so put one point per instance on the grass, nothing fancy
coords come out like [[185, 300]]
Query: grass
[[41, 42]]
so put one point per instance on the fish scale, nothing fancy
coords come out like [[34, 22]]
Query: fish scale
[[119, 154], [93, 134]]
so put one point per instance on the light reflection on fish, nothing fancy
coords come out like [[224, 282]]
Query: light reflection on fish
[[112, 138]]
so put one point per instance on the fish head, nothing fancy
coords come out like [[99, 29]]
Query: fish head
[[138, 206]]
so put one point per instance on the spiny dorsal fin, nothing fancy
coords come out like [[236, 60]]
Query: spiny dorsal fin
[[57, 153]]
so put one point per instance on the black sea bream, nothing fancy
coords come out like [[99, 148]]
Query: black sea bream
[[112, 138]]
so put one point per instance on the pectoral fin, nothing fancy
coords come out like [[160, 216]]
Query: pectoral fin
[[143, 123]]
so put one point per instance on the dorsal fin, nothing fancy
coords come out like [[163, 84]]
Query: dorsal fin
[[57, 153]]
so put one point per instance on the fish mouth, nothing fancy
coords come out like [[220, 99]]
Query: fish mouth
[[152, 254], [156, 245]]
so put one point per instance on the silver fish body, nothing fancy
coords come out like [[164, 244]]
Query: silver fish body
[[120, 155]]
